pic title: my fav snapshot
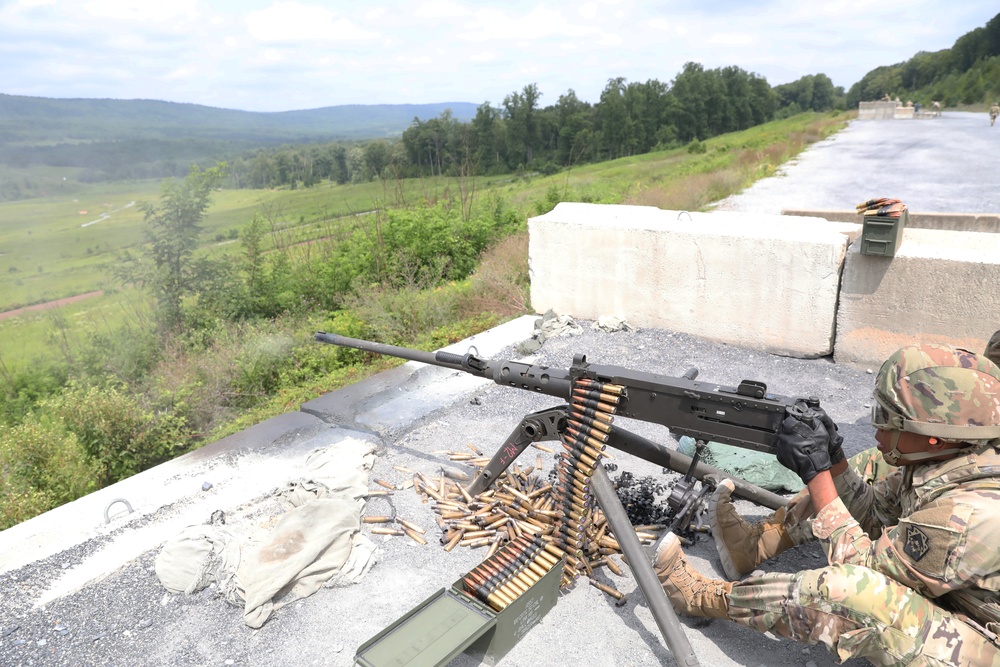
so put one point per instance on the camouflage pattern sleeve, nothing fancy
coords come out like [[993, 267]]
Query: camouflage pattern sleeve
[[947, 544], [845, 526], [841, 535], [875, 505]]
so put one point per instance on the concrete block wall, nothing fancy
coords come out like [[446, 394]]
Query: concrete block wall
[[941, 287], [784, 284], [958, 222], [768, 282]]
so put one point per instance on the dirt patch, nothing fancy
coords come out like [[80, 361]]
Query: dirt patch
[[49, 304]]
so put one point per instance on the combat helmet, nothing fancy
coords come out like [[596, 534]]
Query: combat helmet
[[938, 391]]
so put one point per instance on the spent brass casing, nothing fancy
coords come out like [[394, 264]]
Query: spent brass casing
[[412, 526], [616, 594], [383, 483], [453, 542], [474, 543], [613, 566], [539, 491], [378, 530], [415, 536], [377, 519]]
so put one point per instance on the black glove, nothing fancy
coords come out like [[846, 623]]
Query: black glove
[[803, 443], [836, 440]]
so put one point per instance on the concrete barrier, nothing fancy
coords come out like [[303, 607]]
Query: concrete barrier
[[884, 111], [941, 287], [790, 285], [959, 222], [767, 282]]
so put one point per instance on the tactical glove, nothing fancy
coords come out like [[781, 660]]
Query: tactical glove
[[803, 443], [836, 440]]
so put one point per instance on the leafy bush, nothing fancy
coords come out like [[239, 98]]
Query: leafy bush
[[41, 467], [116, 433], [696, 147]]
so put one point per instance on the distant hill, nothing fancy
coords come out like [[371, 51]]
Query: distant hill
[[38, 120], [102, 139]]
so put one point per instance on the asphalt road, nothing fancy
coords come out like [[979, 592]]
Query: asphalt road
[[127, 618], [947, 164]]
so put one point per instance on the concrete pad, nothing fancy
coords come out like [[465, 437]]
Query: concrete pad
[[767, 282], [396, 398], [941, 287]]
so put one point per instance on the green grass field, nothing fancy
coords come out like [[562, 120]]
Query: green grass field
[[65, 245]]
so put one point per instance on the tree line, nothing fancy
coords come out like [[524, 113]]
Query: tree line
[[967, 73], [520, 134]]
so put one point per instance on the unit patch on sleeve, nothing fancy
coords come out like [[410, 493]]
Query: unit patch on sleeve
[[916, 544]]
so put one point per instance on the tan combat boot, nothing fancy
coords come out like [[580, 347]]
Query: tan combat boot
[[743, 546], [689, 591]]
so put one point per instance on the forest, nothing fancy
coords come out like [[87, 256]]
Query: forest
[[966, 74]]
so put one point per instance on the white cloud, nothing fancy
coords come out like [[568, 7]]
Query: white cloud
[[731, 39], [142, 11], [295, 22], [440, 9]]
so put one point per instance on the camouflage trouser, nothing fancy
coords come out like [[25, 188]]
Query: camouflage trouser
[[798, 513], [858, 612]]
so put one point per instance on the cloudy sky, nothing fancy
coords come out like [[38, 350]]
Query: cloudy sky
[[277, 55]]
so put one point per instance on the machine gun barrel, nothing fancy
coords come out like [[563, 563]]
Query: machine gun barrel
[[743, 416]]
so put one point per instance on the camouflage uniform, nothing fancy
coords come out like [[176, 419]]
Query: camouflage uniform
[[924, 591], [938, 534]]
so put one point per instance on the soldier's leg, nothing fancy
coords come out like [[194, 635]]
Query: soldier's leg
[[742, 545], [858, 612]]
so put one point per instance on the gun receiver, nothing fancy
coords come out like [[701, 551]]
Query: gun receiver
[[744, 416]]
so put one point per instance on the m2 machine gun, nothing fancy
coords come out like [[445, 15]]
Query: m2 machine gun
[[744, 416]]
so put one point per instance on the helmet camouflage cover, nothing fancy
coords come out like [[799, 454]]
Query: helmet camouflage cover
[[940, 391]]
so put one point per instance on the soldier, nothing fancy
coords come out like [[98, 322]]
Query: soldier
[[914, 557], [994, 112]]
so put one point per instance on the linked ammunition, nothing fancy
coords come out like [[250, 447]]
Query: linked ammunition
[[600, 386], [596, 395]]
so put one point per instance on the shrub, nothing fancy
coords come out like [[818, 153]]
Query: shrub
[[41, 466], [117, 434]]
